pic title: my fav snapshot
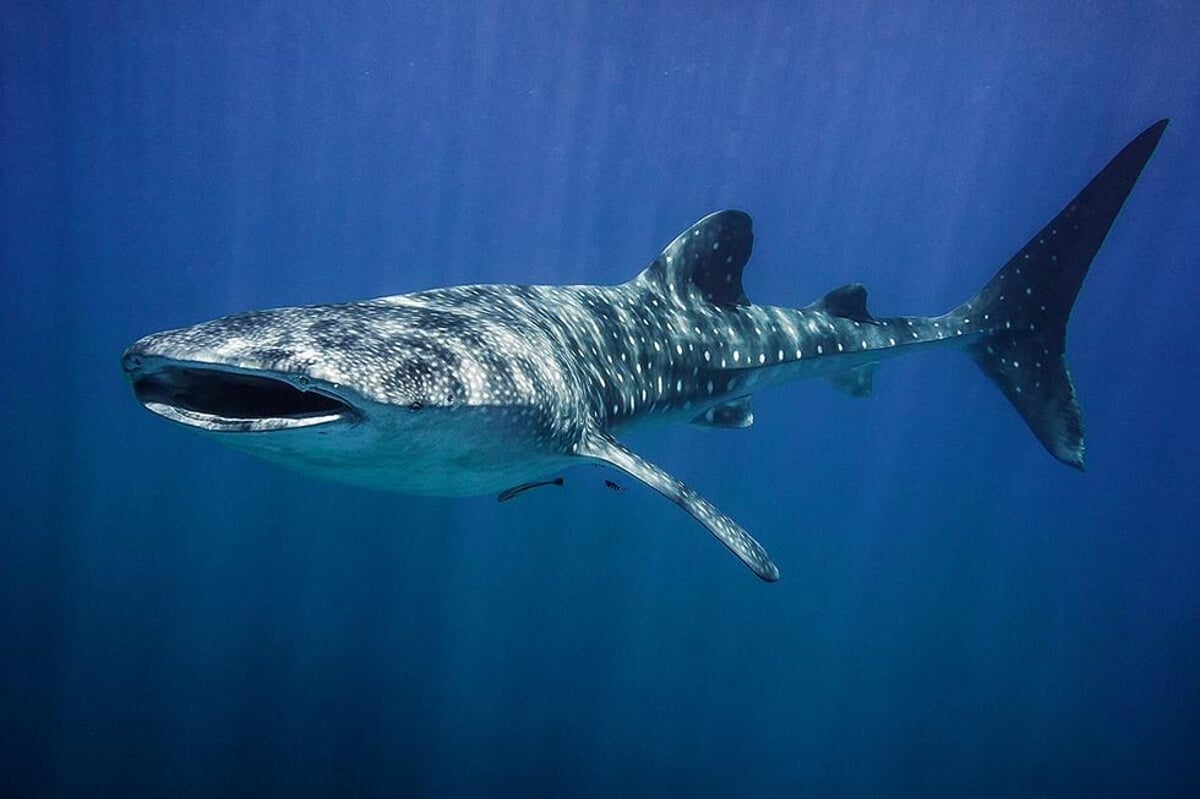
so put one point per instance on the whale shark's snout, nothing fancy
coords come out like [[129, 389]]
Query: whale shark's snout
[[222, 398]]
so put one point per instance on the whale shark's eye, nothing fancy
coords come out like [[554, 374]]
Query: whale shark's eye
[[415, 406]]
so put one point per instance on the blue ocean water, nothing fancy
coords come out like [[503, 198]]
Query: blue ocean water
[[958, 614]]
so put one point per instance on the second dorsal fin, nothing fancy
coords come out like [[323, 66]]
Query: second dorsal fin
[[847, 302]]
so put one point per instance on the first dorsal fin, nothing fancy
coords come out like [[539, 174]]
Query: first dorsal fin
[[705, 262]]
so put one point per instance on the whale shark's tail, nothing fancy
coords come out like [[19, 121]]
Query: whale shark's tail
[[1026, 305]]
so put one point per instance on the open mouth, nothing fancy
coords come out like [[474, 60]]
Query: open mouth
[[221, 400]]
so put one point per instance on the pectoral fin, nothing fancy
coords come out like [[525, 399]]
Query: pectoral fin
[[603, 448]]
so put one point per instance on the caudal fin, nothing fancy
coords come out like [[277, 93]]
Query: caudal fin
[[1025, 307]]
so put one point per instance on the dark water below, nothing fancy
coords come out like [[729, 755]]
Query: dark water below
[[959, 614]]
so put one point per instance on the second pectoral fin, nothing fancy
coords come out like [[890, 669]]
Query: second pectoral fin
[[605, 449]]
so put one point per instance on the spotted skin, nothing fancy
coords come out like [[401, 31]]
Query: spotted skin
[[491, 388]]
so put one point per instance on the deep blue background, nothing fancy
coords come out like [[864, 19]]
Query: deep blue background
[[958, 613]]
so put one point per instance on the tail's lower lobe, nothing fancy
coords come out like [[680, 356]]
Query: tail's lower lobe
[[1028, 302]]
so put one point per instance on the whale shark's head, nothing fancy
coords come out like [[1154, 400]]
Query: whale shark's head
[[388, 393], [292, 368]]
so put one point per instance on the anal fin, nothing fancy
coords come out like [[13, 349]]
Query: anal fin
[[601, 447], [858, 381]]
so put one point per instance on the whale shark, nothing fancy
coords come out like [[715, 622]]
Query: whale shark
[[476, 389]]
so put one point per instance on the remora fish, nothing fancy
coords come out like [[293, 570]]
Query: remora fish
[[477, 389]]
